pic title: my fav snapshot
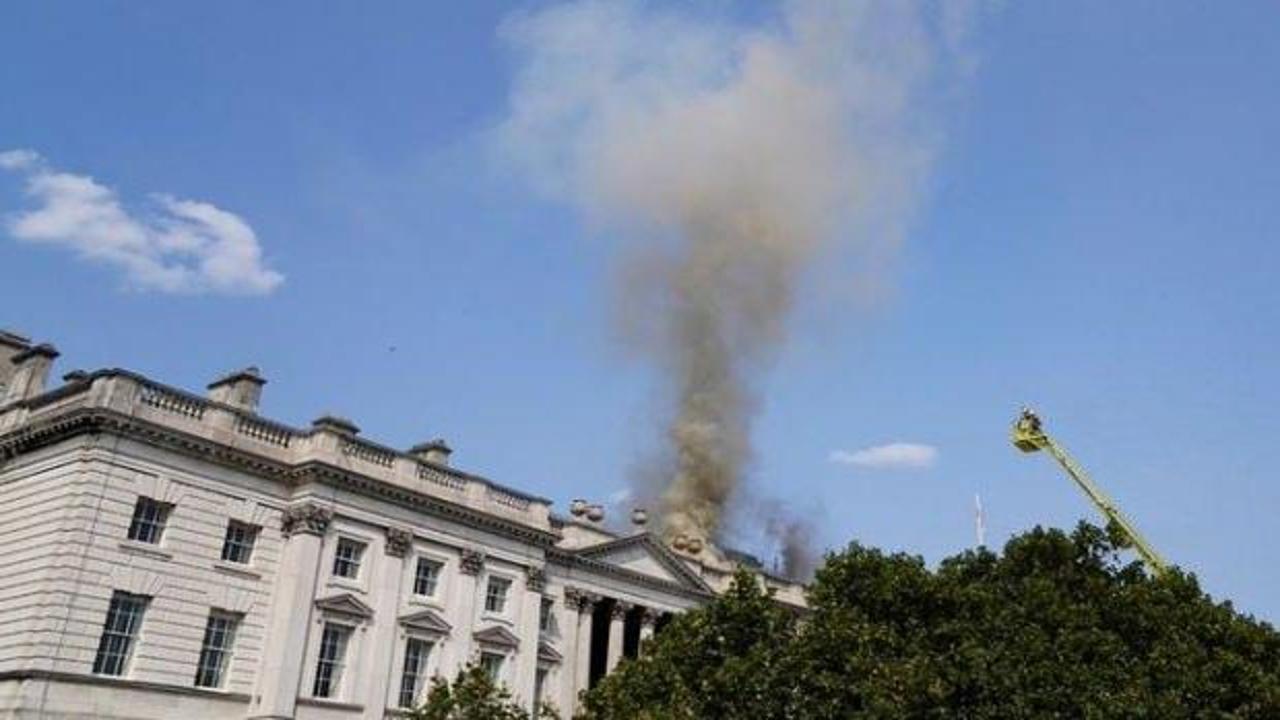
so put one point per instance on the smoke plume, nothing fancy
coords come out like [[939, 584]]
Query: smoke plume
[[730, 156]]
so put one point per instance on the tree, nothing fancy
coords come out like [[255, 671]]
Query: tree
[[472, 696], [1055, 626]]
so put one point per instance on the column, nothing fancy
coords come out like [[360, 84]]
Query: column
[[535, 580], [458, 651], [582, 664], [617, 620], [648, 619], [382, 650], [568, 676], [280, 674]]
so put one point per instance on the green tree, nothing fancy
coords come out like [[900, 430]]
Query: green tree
[[472, 696], [1055, 626]]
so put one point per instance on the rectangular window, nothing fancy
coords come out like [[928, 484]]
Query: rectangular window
[[426, 577], [237, 546], [491, 663], [415, 669], [124, 617], [346, 558], [546, 620], [148, 520], [219, 634], [495, 596], [333, 652]]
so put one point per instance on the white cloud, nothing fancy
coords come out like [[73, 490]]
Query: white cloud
[[618, 497], [177, 246], [892, 456]]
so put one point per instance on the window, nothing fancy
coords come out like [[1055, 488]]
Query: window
[[491, 663], [219, 634], [237, 547], [346, 559], [148, 520], [495, 596], [124, 616], [415, 668], [546, 620], [426, 577], [333, 651]]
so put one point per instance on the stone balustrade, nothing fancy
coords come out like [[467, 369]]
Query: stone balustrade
[[140, 398]]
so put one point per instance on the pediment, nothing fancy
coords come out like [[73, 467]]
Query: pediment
[[548, 654], [497, 636], [426, 621], [645, 554], [345, 604]]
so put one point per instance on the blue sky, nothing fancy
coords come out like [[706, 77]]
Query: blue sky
[[1096, 237]]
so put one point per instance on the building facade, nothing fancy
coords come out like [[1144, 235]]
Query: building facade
[[169, 554]]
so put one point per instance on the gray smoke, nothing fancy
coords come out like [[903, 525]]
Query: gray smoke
[[728, 156]]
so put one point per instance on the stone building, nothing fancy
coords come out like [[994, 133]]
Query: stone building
[[173, 555]]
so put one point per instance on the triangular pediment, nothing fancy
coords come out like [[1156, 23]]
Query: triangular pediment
[[548, 654], [645, 554], [426, 621], [345, 604], [497, 636]]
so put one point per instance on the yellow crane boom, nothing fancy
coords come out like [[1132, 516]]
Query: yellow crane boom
[[1029, 436]]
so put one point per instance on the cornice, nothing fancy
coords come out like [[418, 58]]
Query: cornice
[[47, 431]]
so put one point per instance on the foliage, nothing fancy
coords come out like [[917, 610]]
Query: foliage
[[1055, 626], [472, 696]]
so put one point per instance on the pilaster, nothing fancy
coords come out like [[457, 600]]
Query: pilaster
[[385, 591], [280, 675]]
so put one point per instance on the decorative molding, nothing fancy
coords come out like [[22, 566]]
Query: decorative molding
[[649, 617], [535, 578], [620, 609], [232, 599], [472, 561], [307, 518], [548, 654], [580, 600], [497, 636], [62, 425], [427, 621], [399, 541], [135, 580], [345, 604]]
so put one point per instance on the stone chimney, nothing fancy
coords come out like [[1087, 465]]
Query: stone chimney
[[28, 371], [241, 389], [10, 344], [432, 451]]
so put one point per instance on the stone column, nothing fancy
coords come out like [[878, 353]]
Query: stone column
[[582, 664], [459, 645], [617, 620], [535, 581], [280, 672], [648, 620], [385, 591]]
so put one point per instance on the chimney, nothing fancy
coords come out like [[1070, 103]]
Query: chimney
[[28, 371], [433, 451], [10, 344], [241, 389]]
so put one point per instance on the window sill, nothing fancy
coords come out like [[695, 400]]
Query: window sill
[[331, 703], [345, 583], [141, 548], [425, 601], [237, 569], [500, 618]]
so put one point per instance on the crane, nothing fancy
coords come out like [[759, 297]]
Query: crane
[[1029, 436]]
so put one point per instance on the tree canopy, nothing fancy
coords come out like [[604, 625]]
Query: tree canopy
[[1057, 625]]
